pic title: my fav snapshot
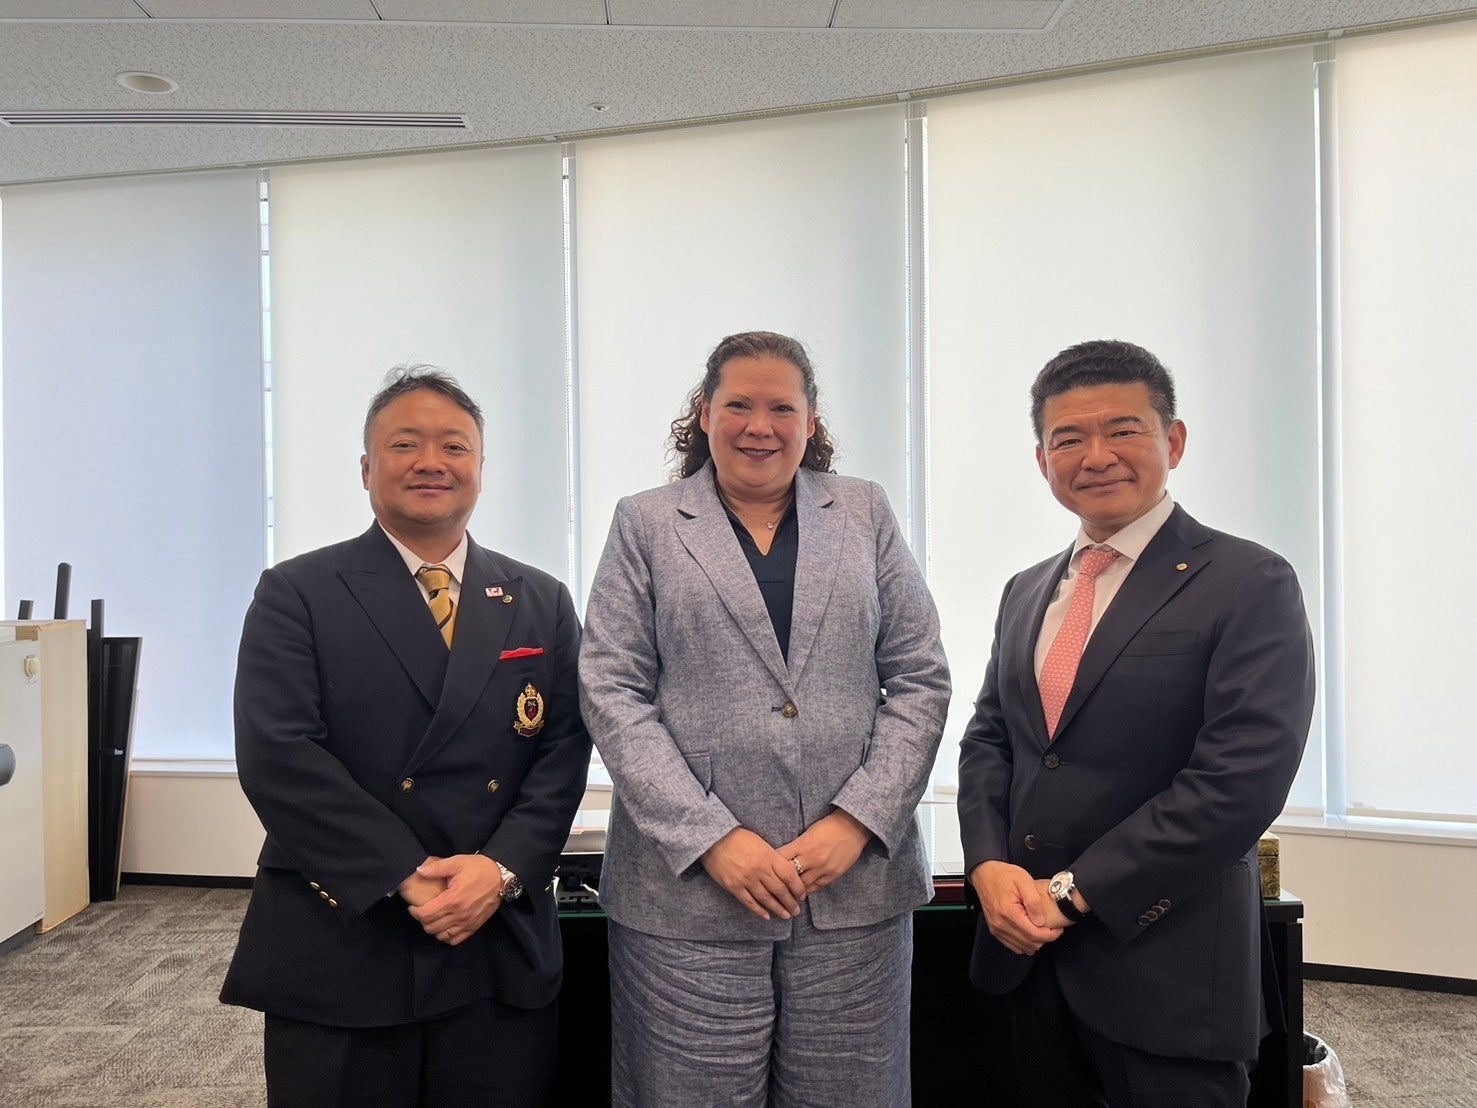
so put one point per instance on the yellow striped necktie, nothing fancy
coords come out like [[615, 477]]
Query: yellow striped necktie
[[437, 580]]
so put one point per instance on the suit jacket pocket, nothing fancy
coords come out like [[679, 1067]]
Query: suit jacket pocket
[[1152, 643], [701, 765]]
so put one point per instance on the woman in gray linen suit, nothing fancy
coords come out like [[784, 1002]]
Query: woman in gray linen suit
[[762, 674]]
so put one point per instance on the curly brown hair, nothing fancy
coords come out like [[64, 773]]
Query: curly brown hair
[[689, 442]]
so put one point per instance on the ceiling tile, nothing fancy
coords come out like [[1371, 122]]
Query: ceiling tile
[[515, 82], [70, 9], [953, 15], [260, 9], [495, 11], [728, 13]]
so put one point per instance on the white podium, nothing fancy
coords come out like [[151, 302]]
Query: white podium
[[22, 855], [57, 763]]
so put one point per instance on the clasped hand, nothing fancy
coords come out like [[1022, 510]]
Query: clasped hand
[[1018, 909], [773, 881], [451, 898]]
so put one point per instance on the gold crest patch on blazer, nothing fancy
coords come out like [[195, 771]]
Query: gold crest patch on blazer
[[530, 709]]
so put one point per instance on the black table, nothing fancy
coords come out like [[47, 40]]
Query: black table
[[961, 1038], [1278, 1078]]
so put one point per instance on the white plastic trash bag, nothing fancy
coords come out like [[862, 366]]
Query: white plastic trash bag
[[1323, 1077]]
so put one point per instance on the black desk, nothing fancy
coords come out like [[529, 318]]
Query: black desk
[[961, 1038], [1278, 1078]]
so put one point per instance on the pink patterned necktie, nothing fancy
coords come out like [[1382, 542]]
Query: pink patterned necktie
[[1059, 670]]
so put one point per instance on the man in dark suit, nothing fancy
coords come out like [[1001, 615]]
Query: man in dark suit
[[1111, 795], [408, 730]]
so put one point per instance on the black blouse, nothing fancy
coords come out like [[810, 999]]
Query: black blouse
[[774, 572]]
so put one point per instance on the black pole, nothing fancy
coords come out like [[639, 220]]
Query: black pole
[[63, 589], [95, 677], [95, 776], [25, 609]]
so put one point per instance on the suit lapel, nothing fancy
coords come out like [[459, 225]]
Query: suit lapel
[[1150, 584], [482, 626], [704, 528], [395, 605], [821, 530], [1036, 599]]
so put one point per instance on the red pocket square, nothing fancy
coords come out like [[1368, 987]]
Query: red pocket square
[[521, 652]]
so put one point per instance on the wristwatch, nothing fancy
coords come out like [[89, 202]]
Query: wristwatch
[[512, 887], [1061, 891]]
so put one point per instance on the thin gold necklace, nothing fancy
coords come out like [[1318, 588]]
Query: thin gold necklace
[[767, 524]]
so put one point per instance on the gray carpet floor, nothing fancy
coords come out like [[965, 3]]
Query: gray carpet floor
[[118, 1008]]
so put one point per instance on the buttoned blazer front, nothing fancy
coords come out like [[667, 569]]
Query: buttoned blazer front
[[705, 727], [1175, 751], [365, 745]]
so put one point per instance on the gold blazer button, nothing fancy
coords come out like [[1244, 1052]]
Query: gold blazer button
[[494, 785], [408, 785], [789, 711]]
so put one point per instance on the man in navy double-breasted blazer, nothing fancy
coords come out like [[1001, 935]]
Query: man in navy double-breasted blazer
[[408, 730], [1111, 795]]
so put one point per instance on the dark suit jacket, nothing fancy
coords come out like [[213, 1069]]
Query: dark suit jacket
[[364, 746], [1175, 751]]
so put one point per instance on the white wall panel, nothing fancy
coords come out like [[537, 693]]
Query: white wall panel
[[793, 225], [451, 259], [1407, 133], [133, 426], [1172, 206]]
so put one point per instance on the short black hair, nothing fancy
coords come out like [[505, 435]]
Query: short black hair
[[406, 379], [1102, 362]]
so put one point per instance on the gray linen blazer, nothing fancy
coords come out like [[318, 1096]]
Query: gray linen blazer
[[704, 727]]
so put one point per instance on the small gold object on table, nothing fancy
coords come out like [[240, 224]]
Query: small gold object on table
[[1271, 866]]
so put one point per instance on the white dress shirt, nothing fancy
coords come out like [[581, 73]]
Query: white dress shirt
[[1130, 543]]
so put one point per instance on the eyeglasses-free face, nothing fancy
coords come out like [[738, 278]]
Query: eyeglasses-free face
[[1106, 454], [758, 422]]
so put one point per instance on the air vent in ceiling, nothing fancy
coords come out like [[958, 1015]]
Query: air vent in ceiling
[[439, 120]]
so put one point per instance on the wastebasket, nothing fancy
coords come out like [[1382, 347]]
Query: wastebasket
[[1323, 1077]]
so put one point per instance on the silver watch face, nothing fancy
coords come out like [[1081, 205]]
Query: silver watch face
[[512, 887], [1061, 885]]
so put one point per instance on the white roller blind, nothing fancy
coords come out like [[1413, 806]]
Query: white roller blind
[[133, 427], [1407, 134], [451, 259], [793, 225], [1171, 206]]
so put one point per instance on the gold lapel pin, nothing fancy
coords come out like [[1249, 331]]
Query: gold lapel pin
[[1182, 567], [507, 599]]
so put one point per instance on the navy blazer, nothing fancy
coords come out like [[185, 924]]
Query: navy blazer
[[1175, 751], [365, 745]]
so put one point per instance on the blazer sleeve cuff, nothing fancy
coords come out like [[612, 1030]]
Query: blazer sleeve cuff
[[684, 850], [354, 899], [860, 801]]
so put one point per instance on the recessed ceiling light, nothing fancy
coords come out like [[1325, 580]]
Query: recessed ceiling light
[[154, 83]]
